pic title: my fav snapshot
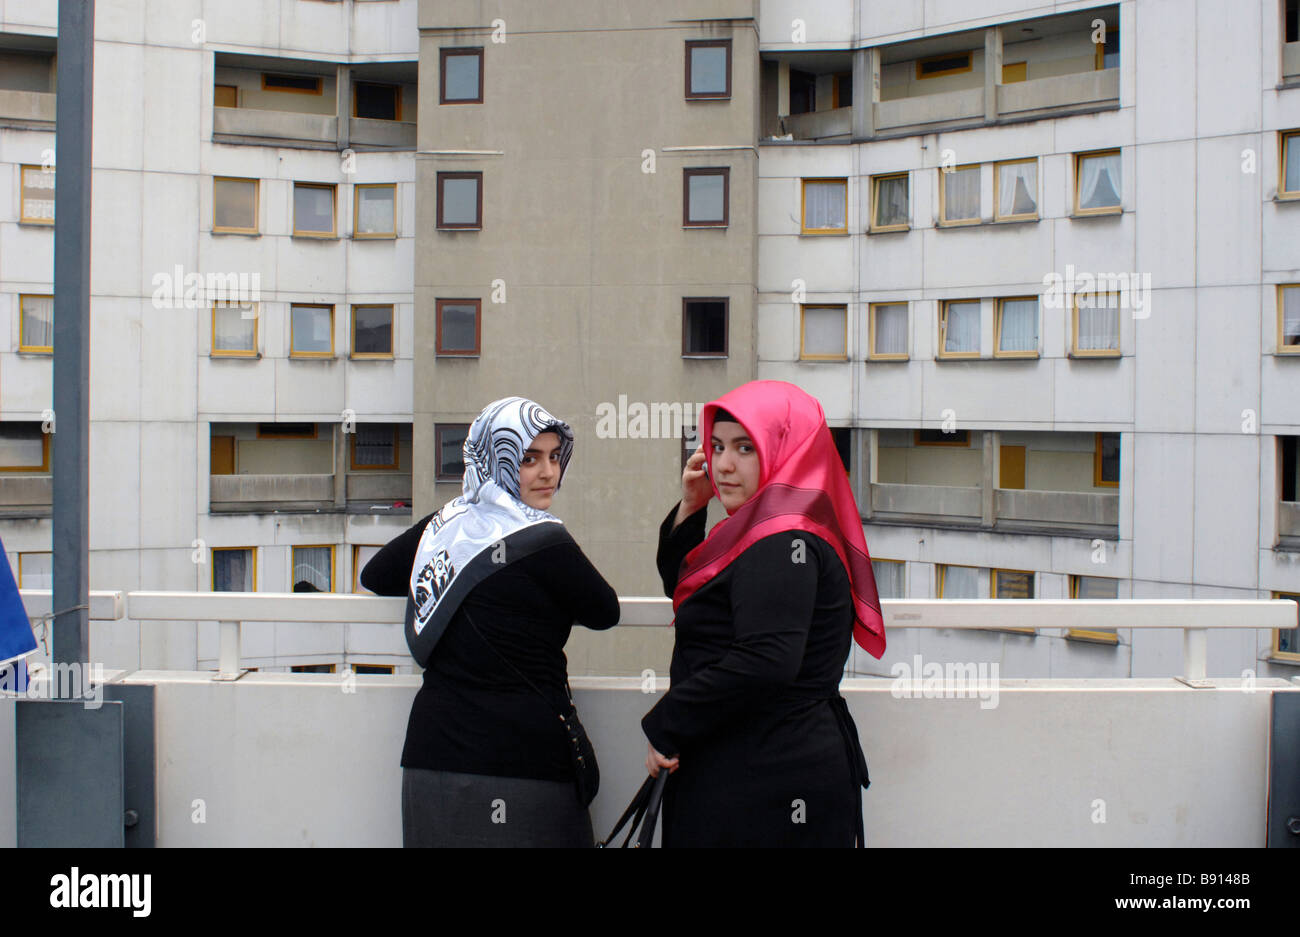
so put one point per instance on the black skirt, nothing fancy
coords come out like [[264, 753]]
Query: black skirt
[[451, 809]]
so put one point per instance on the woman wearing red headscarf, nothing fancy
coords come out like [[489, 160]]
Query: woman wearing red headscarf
[[761, 746]]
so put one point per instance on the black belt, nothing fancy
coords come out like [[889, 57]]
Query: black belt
[[857, 760]]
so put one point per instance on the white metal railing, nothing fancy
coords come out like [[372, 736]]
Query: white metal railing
[[232, 609]]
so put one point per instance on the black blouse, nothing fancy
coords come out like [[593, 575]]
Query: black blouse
[[474, 714]]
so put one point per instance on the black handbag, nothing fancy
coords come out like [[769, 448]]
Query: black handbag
[[581, 753], [644, 810]]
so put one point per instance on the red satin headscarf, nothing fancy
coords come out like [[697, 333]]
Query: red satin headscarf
[[801, 486]]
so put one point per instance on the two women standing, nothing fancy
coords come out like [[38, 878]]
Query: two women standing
[[761, 746]]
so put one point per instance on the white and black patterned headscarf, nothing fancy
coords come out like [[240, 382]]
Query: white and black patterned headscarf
[[488, 525]]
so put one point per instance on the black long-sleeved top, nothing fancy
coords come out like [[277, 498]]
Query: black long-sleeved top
[[753, 707], [474, 714]]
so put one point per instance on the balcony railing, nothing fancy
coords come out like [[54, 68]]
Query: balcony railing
[[28, 107], [313, 759], [269, 492], [26, 495]]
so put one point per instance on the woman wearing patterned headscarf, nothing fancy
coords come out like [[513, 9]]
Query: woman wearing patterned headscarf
[[494, 583], [760, 745]]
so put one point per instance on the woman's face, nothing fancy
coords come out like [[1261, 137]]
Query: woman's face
[[735, 464], [539, 471]]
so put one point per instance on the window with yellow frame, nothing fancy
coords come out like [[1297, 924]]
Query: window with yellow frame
[[1011, 584], [313, 568], [960, 195], [957, 582], [1105, 460], [824, 206], [36, 570], [362, 553], [373, 447], [1093, 587], [36, 325], [823, 332], [1094, 325], [889, 202], [1098, 183], [1015, 327], [24, 447], [374, 210], [234, 569], [950, 63], [1288, 318], [1286, 641], [1015, 190], [887, 331], [1288, 180], [235, 205], [959, 328], [311, 330], [314, 209], [234, 331], [36, 195]]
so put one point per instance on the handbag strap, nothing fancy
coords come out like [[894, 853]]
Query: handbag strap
[[637, 806], [646, 837], [517, 671]]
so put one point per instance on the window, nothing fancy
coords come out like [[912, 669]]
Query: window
[[704, 327], [313, 569], [708, 68], [889, 203], [958, 582], [286, 431], [460, 200], [1288, 184], [823, 333], [24, 447], [234, 205], [959, 195], [1287, 449], [887, 331], [361, 669], [1015, 190], [705, 197], [375, 101], [937, 437], [1105, 460], [1013, 72], [37, 195], [825, 206], [312, 668], [1093, 587], [299, 84], [959, 328], [890, 578], [36, 331], [1288, 318], [1286, 641], [461, 72], [372, 331], [1097, 184], [36, 570], [1011, 467], [313, 209], [1107, 54], [1016, 328], [234, 569], [1094, 332], [1011, 584], [449, 441], [361, 555], [1290, 25], [459, 328], [225, 96], [949, 64], [311, 331], [374, 211], [234, 331], [374, 446], [842, 437]]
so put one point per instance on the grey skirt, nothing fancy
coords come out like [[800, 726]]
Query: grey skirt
[[450, 809]]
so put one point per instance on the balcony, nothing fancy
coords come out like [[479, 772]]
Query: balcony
[[257, 493], [26, 495], [246, 125], [1000, 767], [27, 98]]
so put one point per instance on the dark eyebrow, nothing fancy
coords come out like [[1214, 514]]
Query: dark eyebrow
[[534, 449], [737, 439]]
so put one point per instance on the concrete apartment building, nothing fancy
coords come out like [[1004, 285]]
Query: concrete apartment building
[[609, 206], [254, 441]]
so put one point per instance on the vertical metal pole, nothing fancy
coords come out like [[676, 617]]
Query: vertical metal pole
[[72, 336], [1194, 647]]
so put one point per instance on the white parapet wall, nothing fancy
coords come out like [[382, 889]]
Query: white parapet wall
[[298, 760]]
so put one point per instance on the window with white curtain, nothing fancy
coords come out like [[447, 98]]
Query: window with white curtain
[[1097, 184], [959, 328], [959, 582], [376, 211], [374, 446], [1017, 189], [313, 569], [959, 191], [234, 205], [1288, 315], [890, 575], [36, 570], [890, 211], [232, 570], [37, 327], [824, 202], [889, 330], [37, 195], [824, 332], [1096, 324], [1017, 327], [311, 332], [234, 330]]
